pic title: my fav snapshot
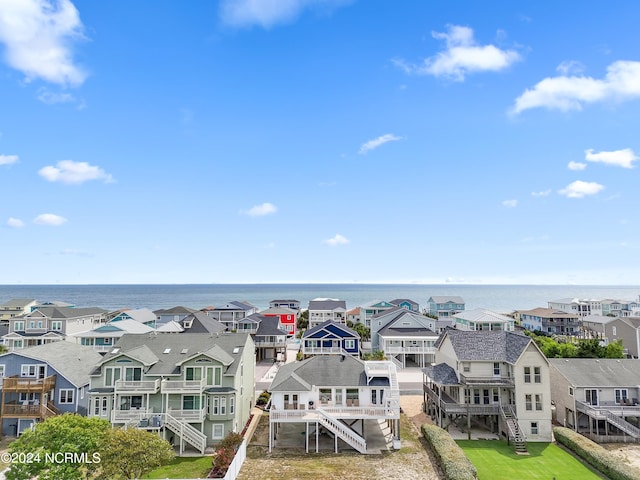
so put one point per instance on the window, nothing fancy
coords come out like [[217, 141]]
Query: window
[[111, 376], [527, 374], [66, 395], [534, 428], [56, 326], [232, 405], [133, 374], [191, 402], [527, 401], [466, 367], [218, 431], [613, 331], [193, 373], [223, 405], [571, 391], [216, 406], [537, 376], [621, 395], [538, 402], [18, 326], [350, 344], [29, 371], [496, 369]]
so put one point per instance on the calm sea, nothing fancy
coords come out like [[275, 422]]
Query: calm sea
[[499, 298]]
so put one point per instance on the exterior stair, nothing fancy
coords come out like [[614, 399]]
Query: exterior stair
[[189, 434], [615, 420], [515, 434], [343, 432]]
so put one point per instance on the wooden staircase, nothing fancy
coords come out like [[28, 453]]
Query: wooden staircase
[[515, 434], [343, 432]]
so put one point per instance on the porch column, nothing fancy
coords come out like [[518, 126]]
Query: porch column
[[271, 438]]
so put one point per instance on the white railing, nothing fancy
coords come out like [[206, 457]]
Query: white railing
[[395, 349], [182, 386], [344, 432], [335, 350], [190, 434], [605, 413], [191, 416], [127, 416], [142, 386]]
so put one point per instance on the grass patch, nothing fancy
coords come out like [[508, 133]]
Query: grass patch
[[183, 467], [495, 460]]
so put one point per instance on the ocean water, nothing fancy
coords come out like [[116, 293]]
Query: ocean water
[[499, 298]]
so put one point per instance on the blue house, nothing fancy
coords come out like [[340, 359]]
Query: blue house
[[330, 338], [445, 306], [43, 381]]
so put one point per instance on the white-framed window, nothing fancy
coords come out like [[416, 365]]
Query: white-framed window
[[18, 326], [1, 372], [217, 431], [621, 395], [27, 397], [232, 405], [111, 376], [534, 428], [466, 367], [537, 375], [191, 402], [571, 391], [528, 402], [29, 371], [65, 396], [133, 374], [496, 369], [216, 406], [223, 405], [527, 374], [350, 344], [538, 402], [613, 331], [56, 326]]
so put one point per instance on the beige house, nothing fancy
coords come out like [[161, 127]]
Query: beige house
[[495, 379]]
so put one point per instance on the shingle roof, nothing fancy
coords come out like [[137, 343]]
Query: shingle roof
[[202, 323], [322, 370], [482, 315], [178, 310], [497, 346], [327, 304], [269, 326], [18, 302], [598, 372], [548, 313], [178, 348], [72, 360], [69, 312], [398, 301], [442, 374], [447, 298], [331, 327]]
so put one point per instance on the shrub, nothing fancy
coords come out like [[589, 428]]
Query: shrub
[[263, 398], [232, 440], [595, 455], [453, 461]]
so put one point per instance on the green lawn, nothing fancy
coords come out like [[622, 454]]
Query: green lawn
[[183, 467], [495, 460]]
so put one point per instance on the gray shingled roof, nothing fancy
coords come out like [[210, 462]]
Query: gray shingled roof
[[497, 346], [72, 360], [18, 302], [202, 323], [70, 312], [322, 370], [599, 372], [327, 304], [442, 374], [178, 310], [179, 347], [446, 299], [268, 326]]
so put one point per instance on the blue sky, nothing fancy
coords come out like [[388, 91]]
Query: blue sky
[[249, 141]]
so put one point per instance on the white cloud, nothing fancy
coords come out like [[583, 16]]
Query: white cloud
[[68, 171], [266, 13], [580, 189], [377, 142], [337, 240], [510, 203], [543, 193], [51, 98], [76, 253], [15, 223], [462, 56], [49, 219], [621, 158], [38, 35], [576, 166], [261, 210], [570, 67], [8, 159], [621, 82]]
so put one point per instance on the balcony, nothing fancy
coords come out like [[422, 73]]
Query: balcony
[[600, 411], [335, 350], [22, 384], [137, 386], [490, 381], [189, 416], [396, 349], [182, 386], [131, 415], [451, 406], [29, 411]]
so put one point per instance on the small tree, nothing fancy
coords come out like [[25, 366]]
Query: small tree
[[65, 446], [132, 453]]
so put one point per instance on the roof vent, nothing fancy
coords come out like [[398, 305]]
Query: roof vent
[[184, 350], [236, 349], [115, 350], [166, 350]]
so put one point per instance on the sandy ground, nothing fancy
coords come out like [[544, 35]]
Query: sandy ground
[[628, 452]]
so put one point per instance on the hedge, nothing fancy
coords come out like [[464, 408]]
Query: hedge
[[594, 454], [454, 463]]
